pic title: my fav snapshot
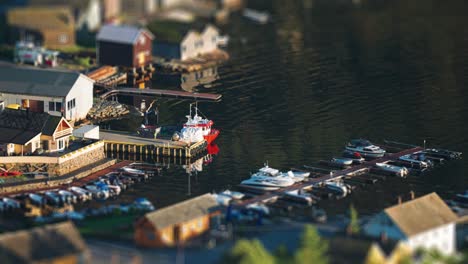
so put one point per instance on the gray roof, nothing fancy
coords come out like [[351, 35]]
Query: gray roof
[[121, 34], [20, 126], [41, 244], [31, 81], [183, 211]]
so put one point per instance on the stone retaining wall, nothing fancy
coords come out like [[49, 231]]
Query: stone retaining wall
[[72, 161], [50, 183]]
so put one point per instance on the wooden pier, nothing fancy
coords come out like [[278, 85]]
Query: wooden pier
[[148, 148], [335, 175], [162, 93]]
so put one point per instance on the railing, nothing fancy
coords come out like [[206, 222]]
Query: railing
[[64, 132]]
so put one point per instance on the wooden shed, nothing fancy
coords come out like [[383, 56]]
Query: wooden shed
[[177, 223], [124, 46]]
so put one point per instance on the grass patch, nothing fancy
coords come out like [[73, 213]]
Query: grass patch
[[7, 52], [76, 49], [113, 226]]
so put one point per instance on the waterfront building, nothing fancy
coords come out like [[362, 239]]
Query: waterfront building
[[23, 132], [49, 26], [55, 243], [58, 93], [364, 250], [125, 46], [180, 41], [177, 223], [426, 222]]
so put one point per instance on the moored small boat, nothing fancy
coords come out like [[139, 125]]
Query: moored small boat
[[395, 170], [365, 148]]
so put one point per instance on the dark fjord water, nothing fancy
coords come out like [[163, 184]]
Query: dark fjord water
[[297, 89]]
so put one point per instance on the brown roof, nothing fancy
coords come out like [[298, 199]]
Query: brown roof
[[183, 211], [41, 244], [51, 17], [421, 214]]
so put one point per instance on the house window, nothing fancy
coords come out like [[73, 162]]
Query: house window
[[51, 106], [58, 106], [60, 144], [184, 48], [71, 104], [63, 38]]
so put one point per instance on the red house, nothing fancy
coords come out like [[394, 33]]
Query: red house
[[124, 46]]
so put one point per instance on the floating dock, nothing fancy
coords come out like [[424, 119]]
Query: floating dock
[[162, 93], [149, 148], [335, 175]]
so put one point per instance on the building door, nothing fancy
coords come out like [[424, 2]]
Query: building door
[[36, 106], [45, 145], [177, 234], [141, 58]]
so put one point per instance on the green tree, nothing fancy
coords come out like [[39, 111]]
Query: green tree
[[353, 227], [248, 252], [282, 255], [312, 248]]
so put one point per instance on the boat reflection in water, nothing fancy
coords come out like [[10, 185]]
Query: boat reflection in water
[[197, 165]]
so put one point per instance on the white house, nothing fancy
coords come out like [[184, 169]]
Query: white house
[[184, 42], [23, 132], [426, 222], [195, 44], [59, 93], [91, 16]]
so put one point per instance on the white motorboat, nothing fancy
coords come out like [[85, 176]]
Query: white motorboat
[[342, 161], [99, 190], [337, 187], [254, 187], [396, 170], [67, 196], [267, 171], [233, 194], [355, 156], [298, 196], [267, 181], [9, 203], [462, 197], [52, 197], [36, 199], [133, 171], [257, 16], [365, 148], [417, 158], [261, 208], [300, 173], [82, 194], [222, 199]]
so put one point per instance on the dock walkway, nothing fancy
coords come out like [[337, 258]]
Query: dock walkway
[[162, 93], [328, 177], [123, 142]]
